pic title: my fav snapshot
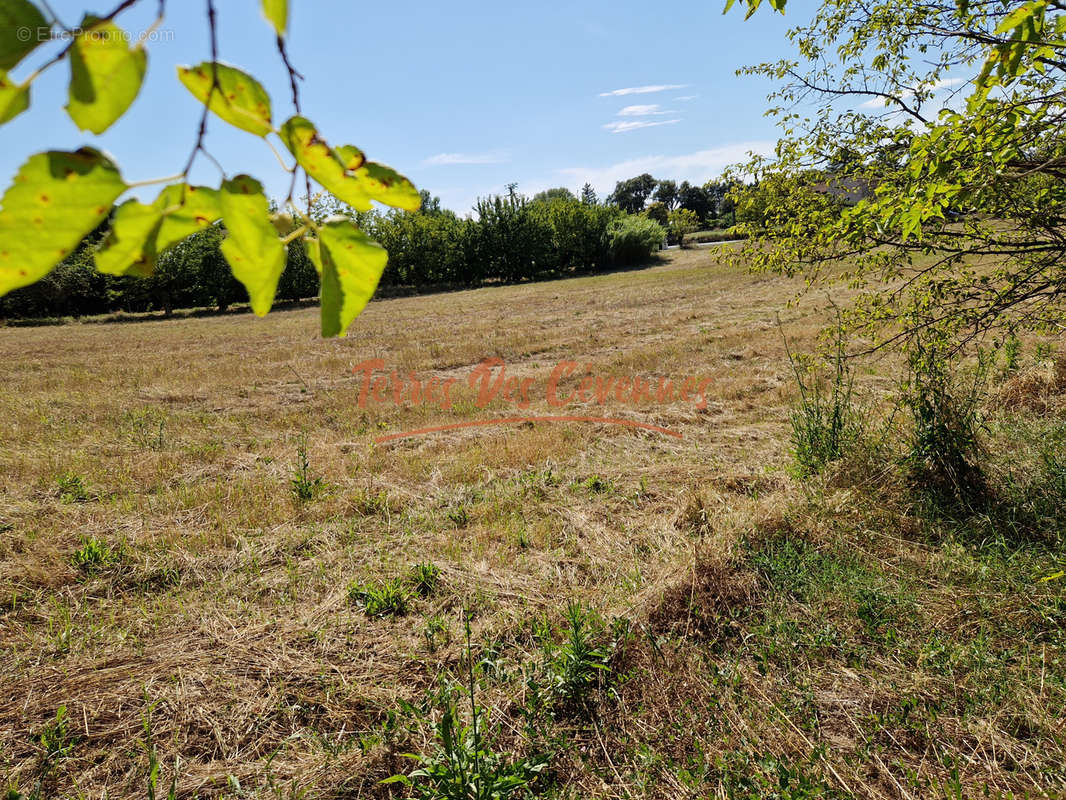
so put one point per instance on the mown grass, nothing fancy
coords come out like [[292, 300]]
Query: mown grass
[[213, 541]]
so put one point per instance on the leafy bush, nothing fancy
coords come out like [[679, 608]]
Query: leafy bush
[[424, 249], [682, 221], [633, 238], [944, 456]]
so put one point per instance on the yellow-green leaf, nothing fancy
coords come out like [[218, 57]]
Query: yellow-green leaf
[[56, 199], [381, 183], [140, 234], [22, 28], [105, 75], [387, 186], [187, 209], [129, 247], [277, 12], [14, 99], [322, 163], [254, 252], [238, 97], [349, 264], [345, 172]]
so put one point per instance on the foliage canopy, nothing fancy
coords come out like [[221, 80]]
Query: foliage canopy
[[958, 206]]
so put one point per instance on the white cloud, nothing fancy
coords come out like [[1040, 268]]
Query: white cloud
[[642, 111], [685, 97], [465, 158], [643, 89], [695, 167], [947, 83], [632, 125]]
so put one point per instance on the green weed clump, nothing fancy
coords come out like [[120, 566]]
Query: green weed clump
[[389, 598], [305, 487], [824, 423], [95, 555]]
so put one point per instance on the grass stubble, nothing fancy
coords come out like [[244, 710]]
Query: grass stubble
[[754, 635]]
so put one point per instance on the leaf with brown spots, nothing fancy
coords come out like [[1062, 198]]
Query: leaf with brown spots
[[187, 209], [254, 252], [349, 264], [140, 234], [129, 247], [105, 75], [56, 199], [344, 172], [238, 97]]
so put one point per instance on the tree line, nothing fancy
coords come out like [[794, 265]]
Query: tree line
[[510, 238]]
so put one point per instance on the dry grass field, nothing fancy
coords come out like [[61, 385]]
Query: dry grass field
[[208, 563]]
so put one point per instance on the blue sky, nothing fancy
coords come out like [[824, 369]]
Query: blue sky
[[462, 97]]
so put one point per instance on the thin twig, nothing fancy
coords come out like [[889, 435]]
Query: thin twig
[[202, 130]]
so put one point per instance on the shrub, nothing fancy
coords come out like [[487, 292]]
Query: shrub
[[659, 213], [944, 455], [424, 249], [682, 221], [633, 238]]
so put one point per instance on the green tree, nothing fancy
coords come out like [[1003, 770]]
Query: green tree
[[950, 215], [682, 221], [667, 193], [696, 199], [588, 195], [658, 212], [558, 193], [631, 195]]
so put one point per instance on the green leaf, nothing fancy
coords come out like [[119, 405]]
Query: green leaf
[[105, 75], [381, 183], [1019, 15], [14, 99], [56, 199], [277, 12], [345, 172], [21, 26], [321, 162], [187, 210], [140, 234], [129, 247], [349, 264], [252, 248], [238, 97]]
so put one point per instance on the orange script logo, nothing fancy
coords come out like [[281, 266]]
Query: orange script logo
[[566, 386]]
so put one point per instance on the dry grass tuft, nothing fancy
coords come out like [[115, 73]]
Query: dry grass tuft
[[1038, 389]]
